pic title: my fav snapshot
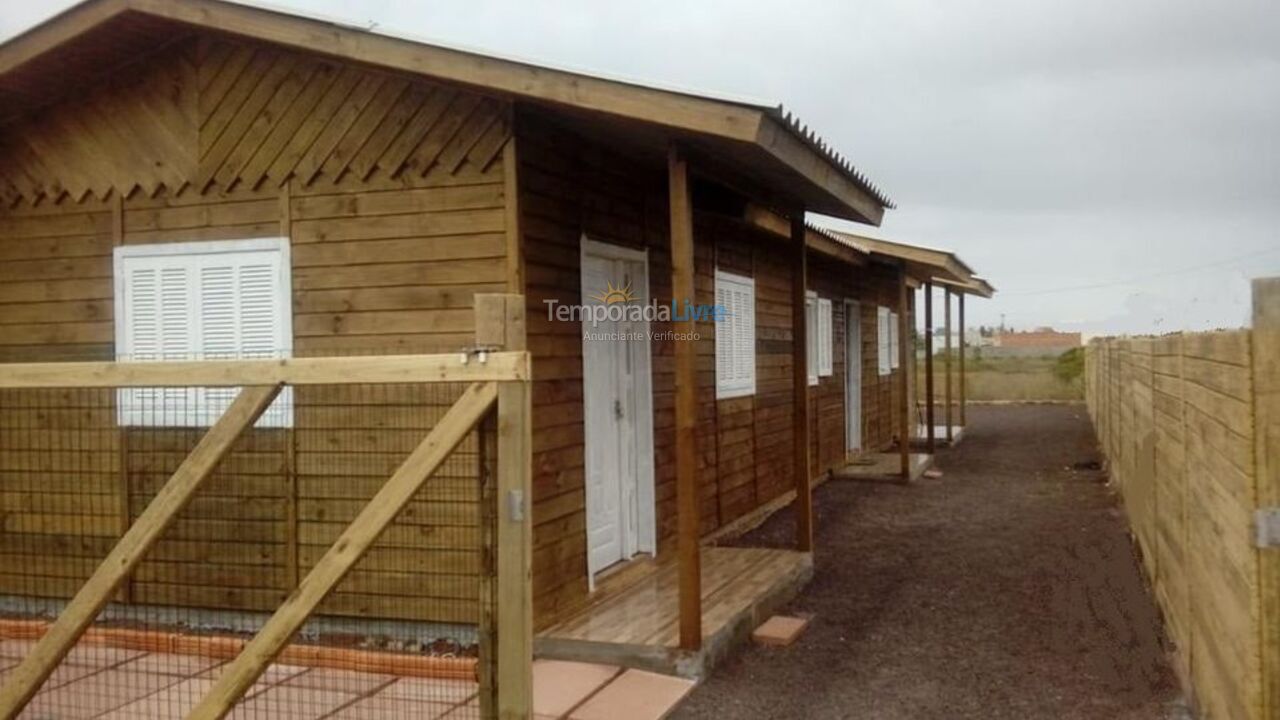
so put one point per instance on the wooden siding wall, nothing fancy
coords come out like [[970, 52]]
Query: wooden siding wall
[[569, 186], [392, 192], [1175, 417]]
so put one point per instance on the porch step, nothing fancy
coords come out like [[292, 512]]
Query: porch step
[[638, 627], [884, 467]]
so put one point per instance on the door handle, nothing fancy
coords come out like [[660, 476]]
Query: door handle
[[617, 408]]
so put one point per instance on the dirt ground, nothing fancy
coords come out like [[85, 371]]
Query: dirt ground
[[1006, 589]]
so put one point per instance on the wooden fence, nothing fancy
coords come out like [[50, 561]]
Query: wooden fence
[[495, 402], [1190, 427]]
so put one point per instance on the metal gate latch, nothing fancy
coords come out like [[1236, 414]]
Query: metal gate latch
[[1267, 523]]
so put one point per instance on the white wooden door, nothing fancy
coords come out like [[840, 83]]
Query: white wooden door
[[853, 376], [617, 407]]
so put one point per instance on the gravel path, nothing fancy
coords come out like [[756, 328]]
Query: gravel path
[[1006, 589]]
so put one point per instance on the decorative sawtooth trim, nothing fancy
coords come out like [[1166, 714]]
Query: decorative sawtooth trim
[[818, 144], [216, 116]]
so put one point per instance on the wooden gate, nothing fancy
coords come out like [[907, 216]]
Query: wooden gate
[[496, 399]]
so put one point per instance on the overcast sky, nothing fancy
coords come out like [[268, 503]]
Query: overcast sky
[[1108, 165]]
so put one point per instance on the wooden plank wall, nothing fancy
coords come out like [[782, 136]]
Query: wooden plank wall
[[570, 185], [1175, 418], [392, 192]]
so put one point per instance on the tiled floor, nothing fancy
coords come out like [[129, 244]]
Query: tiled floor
[[100, 682]]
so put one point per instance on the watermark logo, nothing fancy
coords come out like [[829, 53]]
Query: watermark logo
[[613, 295], [618, 303]]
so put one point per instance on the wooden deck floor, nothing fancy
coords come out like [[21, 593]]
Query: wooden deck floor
[[883, 467], [639, 626]]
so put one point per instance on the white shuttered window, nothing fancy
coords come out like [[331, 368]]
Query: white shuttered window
[[735, 336], [221, 300], [811, 335], [893, 340], [884, 340], [825, 339]]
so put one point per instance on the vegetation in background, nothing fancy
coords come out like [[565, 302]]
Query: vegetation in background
[[1011, 378]]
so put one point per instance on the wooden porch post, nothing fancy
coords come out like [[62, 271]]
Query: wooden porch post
[[960, 300], [686, 380], [928, 365], [904, 415], [946, 361], [800, 381]]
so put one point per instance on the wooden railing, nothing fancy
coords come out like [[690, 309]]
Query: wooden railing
[[498, 396]]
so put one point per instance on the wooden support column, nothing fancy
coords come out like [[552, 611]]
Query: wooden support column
[[1266, 407], [928, 366], [960, 302], [800, 382], [686, 381], [946, 360], [508, 537], [904, 411]]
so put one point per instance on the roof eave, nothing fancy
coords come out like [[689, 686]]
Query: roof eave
[[832, 189]]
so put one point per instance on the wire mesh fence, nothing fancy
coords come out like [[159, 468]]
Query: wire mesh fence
[[399, 635]]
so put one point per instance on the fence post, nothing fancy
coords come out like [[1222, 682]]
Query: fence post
[[500, 323], [1266, 401]]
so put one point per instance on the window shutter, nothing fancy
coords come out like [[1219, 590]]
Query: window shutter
[[825, 340], [893, 340], [811, 336], [735, 336], [744, 338], [882, 340], [215, 301], [725, 367]]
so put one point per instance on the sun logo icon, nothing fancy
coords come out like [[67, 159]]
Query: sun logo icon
[[613, 294]]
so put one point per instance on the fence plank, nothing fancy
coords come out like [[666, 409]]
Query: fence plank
[[26, 679]]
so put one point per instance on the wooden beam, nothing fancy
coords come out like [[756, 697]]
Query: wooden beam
[[928, 367], [377, 369], [511, 204], [513, 492], [904, 410], [260, 652], [686, 381], [1266, 400], [960, 309], [773, 223], [800, 384], [946, 360], [25, 680]]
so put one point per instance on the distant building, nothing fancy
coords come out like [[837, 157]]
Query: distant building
[[1046, 339]]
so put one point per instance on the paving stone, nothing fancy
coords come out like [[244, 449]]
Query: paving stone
[[381, 707], [449, 692], [290, 703], [779, 630], [171, 664], [559, 686], [635, 695], [350, 681], [96, 694]]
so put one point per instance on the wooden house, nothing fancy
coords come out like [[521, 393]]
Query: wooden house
[[364, 188]]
